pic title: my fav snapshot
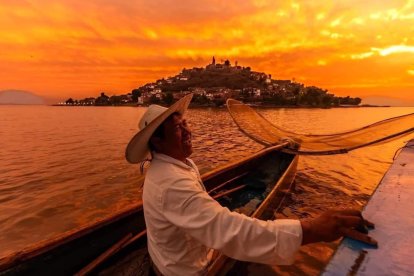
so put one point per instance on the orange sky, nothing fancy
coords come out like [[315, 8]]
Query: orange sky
[[79, 48]]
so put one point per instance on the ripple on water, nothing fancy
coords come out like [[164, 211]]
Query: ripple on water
[[27, 222]]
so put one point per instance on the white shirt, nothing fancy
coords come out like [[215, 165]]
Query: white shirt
[[184, 223]]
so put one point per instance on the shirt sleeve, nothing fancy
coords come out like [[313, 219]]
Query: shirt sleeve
[[236, 235]]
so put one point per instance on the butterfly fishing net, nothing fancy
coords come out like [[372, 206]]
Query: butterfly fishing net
[[264, 132]]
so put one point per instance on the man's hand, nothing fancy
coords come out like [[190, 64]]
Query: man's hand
[[332, 225]]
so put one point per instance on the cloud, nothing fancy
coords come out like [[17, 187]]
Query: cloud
[[87, 46], [395, 49], [362, 55]]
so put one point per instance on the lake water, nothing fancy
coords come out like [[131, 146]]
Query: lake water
[[62, 167]]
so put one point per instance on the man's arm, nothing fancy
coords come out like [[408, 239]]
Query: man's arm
[[332, 225], [236, 235]]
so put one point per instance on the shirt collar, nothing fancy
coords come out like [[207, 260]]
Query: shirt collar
[[169, 159]]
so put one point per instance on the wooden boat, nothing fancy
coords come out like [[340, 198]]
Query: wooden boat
[[255, 185], [391, 209]]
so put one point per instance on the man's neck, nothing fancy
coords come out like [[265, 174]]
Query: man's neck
[[182, 159]]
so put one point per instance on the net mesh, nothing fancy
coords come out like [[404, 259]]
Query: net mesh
[[261, 130]]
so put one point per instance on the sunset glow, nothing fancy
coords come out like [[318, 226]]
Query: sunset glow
[[79, 48]]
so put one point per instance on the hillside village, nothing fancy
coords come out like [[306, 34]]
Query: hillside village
[[214, 84]]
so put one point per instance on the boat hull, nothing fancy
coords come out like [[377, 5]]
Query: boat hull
[[391, 209], [72, 251]]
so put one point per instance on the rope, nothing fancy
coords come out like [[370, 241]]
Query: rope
[[323, 152], [291, 143]]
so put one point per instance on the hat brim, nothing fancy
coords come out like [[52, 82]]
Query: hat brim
[[138, 149]]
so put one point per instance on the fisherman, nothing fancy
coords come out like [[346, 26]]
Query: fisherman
[[185, 225]]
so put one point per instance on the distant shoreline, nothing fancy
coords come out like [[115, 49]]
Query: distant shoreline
[[319, 107], [267, 106]]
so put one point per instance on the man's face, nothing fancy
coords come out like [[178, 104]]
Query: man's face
[[177, 138]]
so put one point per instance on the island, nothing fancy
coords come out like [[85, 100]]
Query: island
[[213, 84]]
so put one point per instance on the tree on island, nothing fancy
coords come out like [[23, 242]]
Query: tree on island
[[136, 93], [349, 101], [200, 99], [168, 98], [102, 99], [154, 100], [70, 101], [315, 96], [219, 102], [115, 100]]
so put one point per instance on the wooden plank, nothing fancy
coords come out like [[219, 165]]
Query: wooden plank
[[214, 190], [391, 208], [104, 256], [217, 196]]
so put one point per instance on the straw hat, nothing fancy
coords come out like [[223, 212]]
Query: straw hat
[[138, 149]]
